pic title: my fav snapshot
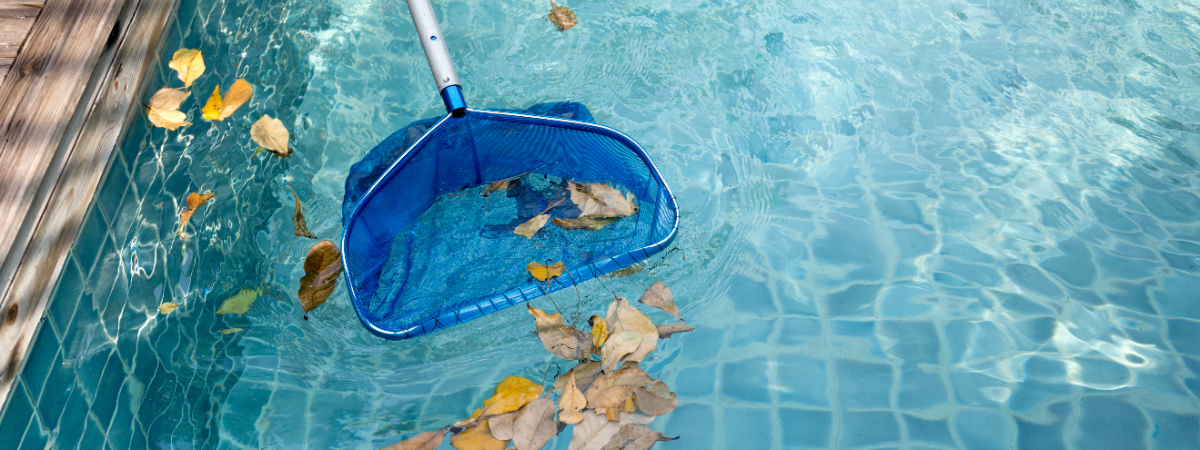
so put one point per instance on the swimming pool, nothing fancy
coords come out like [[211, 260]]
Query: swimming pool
[[914, 224]]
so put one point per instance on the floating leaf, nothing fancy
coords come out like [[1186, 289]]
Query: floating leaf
[[599, 330], [561, 16], [571, 403], [167, 308], [543, 272], [510, 395], [167, 99], [189, 63], [298, 218], [614, 390], [478, 438], [631, 336], [635, 436], [240, 302], [562, 341], [230, 330], [212, 108], [601, 200], [428, 440], [271, 135], [502, 425], [585, 223], [531, 226], [321, 269], [657, 400], [585, 373], [659, 296], [169, 119], [666, 330], [595, 431], [194, 202], [238, 94], [535, 425]]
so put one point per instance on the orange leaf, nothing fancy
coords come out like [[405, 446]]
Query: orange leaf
[[194, 202]]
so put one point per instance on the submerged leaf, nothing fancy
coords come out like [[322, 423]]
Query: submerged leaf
[[659, 296], [635, 436], [230, 330], [167, 308], [189, 63], [498, 186], [668, 329], [561, 16], [543, 272], [622, 273], [571, 403], [532, 226], [271, 135], [585, 223], [240, 302], [194, 202], [167, 99], [535, 425], [595, 431], [321, 269], [478, 438], [428, 440], [298, 218], [601, 200], [212, 108], [631, 337], [561, 340]]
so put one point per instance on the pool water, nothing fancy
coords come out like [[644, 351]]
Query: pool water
[[911, 224]]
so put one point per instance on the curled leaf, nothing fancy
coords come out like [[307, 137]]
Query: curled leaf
[[167, 308], [194, 202], [545, 272], [532, 226], [321, 269], [601, 200], [635, 436], [428, 440], [585, 223], [561, 16], [562, 341], [230, 330], [535, 425], [271, 135], [478, 438], [668, 329], [571, 403], [240, 302], [599, 330], [595, 431], [189, 63], [631, 337], [659, 296], [298, 218]]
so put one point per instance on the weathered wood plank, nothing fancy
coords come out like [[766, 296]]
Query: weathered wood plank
[[15, 22], [5, 64]]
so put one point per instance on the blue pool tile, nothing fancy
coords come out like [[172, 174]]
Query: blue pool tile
[[91, 369], [41, 360], [696, 382], [61, 308], [1040, 436], [333, 418], [934, 432], [753, 332], [17, 415], [93, 435], [92, 236], [921, 390], [742, 425], [746, 380], [912, 341], [1032, 394], [286, 417], [59, 384], [1175, 431], [36, 436], [863, 428], [701, 344], [801, 331], [862, 385], [801, 379], [120, 431], [751, 296], [74, 418], [1109, 423], [107, 392], [805, 428], [985, 430], [697, 422], [112, 190], [855, 301], [974, 388], [1183, 334]]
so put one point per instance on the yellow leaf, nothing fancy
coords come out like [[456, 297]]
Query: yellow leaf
[[571, 403], [428, 440], [510, 395], [561, 16], [167, 99], [169, 119], [599, 330], [321, 269], [240, 302], [543, 272], [167, 308], [298, 218], [478, 438], [531, 226], [659, 296], [189, 63], [631, 337], [212, 109], [271, 135], [543, 321], [194, 202], [230, 330], [237, 95]]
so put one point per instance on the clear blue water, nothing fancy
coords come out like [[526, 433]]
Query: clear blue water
[[913, 224]]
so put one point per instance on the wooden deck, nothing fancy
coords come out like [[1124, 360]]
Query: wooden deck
[[16, 20]]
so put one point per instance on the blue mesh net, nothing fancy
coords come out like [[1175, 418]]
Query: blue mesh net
[[425, 248]]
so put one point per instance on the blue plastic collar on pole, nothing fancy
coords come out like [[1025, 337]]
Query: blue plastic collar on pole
[[452, 96]]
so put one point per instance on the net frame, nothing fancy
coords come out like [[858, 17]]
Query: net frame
[[486, 304]]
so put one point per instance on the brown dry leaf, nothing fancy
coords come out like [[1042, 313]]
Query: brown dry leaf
[[595, 431], [585, 373], [497, 186], [635, 436], [561, 16], [571, 402], [631, 335], [428, 440], [298, 218], [562, 341], [535, 425], [659, 296], [240, 302], [189, 63], [622, 273], [167, 308], [230, 330], [532, 226], [478, 438], [167, 99], [169, 119], [194, 201], [321, 269], [601, 200], [543, 272], [585, 223], [599, 330], [502, 425], [271, 135], [656, 400], [668, 329], [510, 395], [614, 390]]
